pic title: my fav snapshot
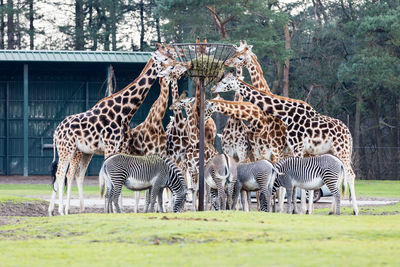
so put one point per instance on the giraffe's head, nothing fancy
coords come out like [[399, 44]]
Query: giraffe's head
[[242, 57], [185, 103], [211, 107], [163, 56], [228, 83], [175, 70], [167, 51], [182, 96]]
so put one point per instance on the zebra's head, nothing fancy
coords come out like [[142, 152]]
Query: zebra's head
[[176, 183], [279, 174]]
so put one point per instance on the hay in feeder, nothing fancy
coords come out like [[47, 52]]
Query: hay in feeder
[[207, 66]]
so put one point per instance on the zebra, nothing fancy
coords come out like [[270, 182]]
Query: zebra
[[255, 176], [310, 174], [219, 173], [139, 173]]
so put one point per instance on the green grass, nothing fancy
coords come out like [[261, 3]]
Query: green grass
[[207, 238], [16, 199], [378, 188]]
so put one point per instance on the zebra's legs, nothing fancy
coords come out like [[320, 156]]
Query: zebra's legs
[[160, 200], [155, 190], [221, 195], [289, 199], [107, 200], [147, 201], [137, 199], [310, 202], [115, 195], [235, 196], [294, 200], [243, 199], [214, 198], [207, 196], [248, 202], [281, 198], [303, 196]]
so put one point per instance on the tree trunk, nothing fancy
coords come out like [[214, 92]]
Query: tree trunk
[[396, 139], [2, 24], [357, 133], [278, 78], [158, 29], [113, 25], [141, 11], [378, 138], [18, 26], [286, 66], [10, 25], [31, 27], [79, 20]]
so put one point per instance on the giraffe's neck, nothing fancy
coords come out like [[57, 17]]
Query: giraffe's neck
[[174, 90], [192, 126], [257, 76], [178, 115], [239, 111], [289, 110], [157, 110], [127, 101], [239, 75]]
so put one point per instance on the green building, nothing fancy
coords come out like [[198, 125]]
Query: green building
[[38, 89]]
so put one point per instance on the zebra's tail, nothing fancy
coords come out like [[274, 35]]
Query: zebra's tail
[[102, 175]]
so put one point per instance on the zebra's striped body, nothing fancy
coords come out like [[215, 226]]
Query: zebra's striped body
[[219, 173], [310, 174], [256, 176], [139, 173]]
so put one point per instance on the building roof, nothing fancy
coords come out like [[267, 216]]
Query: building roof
[[74, 56]]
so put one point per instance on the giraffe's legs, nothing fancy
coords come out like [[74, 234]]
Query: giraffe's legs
[[63, 163], [83, 165], [350, 181], [73, 170]]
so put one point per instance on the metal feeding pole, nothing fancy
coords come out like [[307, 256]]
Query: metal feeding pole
[[206, 64]]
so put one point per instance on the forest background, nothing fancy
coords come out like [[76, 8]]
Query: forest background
[[341, 56]]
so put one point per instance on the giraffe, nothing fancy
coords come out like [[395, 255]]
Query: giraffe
[[177, 132], [234, 140], [192, 151], [149, 137], [244, 57], [100, 130], [307, 131], [266, 133]]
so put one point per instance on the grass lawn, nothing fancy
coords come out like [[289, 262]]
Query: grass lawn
[[208, 238]]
